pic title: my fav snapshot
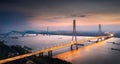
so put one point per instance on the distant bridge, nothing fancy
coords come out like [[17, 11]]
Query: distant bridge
[[19, 32]]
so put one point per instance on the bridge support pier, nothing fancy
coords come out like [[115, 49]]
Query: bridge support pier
[[76, 45], [41, 54], [99, 39], [50, 53], [71, 47]]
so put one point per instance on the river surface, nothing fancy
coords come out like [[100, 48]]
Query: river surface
[[92, 53]]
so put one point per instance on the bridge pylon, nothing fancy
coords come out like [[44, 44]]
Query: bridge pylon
[[74, 36], [50, 53], [99, 33], [47, 30], [100, 30], [41, 54]]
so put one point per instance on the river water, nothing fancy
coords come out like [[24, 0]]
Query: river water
[[94, 53]]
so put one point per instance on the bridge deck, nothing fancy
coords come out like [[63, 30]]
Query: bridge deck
[[46, 50]]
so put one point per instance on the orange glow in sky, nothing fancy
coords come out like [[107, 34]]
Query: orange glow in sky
[[88, 20]]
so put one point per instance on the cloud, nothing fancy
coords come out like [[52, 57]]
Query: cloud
[[51, 12], [62, 6]]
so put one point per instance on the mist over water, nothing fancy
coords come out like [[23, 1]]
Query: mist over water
[[40, 41], [94, 53]]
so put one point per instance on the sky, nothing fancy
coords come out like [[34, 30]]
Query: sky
[[59, 14]]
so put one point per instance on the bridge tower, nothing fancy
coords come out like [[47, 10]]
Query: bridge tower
[[47, 30], [99, 33], [100, 30], [74, 37]]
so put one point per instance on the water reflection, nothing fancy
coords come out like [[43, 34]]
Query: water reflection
[[97, 53], [69, 54]]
